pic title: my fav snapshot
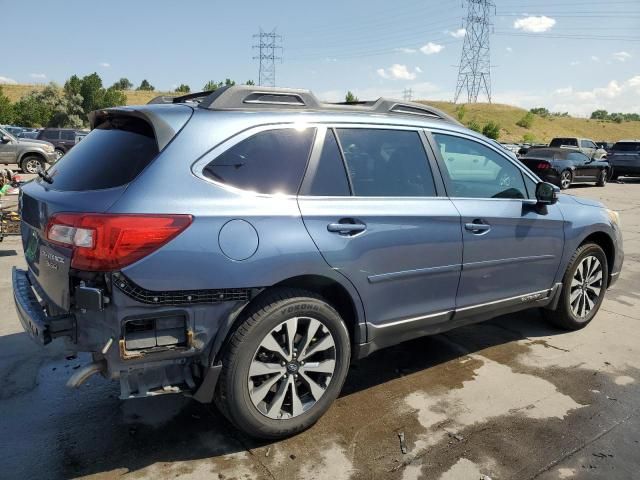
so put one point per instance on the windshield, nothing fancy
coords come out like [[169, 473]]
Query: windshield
[[3, 132], [558, 142]]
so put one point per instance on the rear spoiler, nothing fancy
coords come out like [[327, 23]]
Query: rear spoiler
[[166, 122]]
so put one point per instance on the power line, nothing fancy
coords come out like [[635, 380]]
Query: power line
[[474, 73], [407, 94], [268, 44]]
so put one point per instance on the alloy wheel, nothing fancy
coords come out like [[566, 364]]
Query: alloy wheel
[[32, 166], [586, 286], [292, 368], [565, 179], [59, 154]]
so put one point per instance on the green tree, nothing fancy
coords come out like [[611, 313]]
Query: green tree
[[6, 109], [474, 125], [229, 83], [37, 107], [111, 97], [526, 121], [145, 86], [183, 88], [212, 86], [73, 85], [491, 130], [249, 82], [600, 115], [461, 111], [350, 97], [123, 84], [540, 111], [92, 92], [68, 113]]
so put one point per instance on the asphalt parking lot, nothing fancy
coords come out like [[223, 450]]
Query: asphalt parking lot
[[509, 398]]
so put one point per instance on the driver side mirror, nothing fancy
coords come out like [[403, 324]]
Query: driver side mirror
[[546, 193], [5, 139]]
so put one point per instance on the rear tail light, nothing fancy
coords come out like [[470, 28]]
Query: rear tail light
[[543, 165], [104, 242]]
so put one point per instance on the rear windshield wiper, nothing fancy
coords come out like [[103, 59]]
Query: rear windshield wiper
[[44, 175]]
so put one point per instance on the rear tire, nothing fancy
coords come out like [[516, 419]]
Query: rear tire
[[583, 288], [602, 178], [31, 164], [565, 179], [304, 366]]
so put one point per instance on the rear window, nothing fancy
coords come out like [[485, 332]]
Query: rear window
[[113, 154], [559, 142], [627, 147], [273, 161]]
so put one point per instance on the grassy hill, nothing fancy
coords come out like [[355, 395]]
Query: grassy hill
[[543, 129]]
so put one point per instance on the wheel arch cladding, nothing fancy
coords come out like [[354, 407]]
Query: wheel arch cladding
[[604, 241], [29, 153], [329, 289]]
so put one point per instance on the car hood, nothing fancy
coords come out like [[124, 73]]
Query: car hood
[[32, 141]]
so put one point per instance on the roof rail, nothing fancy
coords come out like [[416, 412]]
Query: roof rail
[[243, 97]]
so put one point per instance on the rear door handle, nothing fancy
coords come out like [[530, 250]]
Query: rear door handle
[[346, 228], [477, 227]]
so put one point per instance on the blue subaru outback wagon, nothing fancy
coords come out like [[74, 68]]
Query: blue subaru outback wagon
[[242, 246]]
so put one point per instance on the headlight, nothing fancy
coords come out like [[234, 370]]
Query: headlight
[[48, 148], [614, 216]]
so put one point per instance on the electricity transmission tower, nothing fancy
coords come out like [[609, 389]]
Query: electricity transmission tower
[[268, 46], [474, 74], [407, 94]]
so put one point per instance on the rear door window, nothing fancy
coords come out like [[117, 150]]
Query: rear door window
[[113, 154], [386, 163], [271, 162], [68, 135], [329, 178], [51, 134]]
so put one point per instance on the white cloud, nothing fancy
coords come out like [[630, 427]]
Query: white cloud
[[573, 63], [431, 48], [459, 33], [406, 50], [7, 80], [594, 58], [622, 56], [38, 76], [533, 24], [418, 69], [509, 49], [397, 72], [105, 64]]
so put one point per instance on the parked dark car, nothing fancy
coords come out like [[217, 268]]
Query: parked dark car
[[625, 159], [606, 146], [564, 166], [63, 139]]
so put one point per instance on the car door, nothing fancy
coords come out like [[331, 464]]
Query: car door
[[511, 248], [584, 167], [67, 139], [381, 223]]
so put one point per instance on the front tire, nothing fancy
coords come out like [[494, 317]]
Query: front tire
[[284, 364], [59, 153], [602, 178], [583, 288]]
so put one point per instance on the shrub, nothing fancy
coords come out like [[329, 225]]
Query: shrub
[[461, 111], [491, 130], [540, 111], [475, 126], [526, 121]]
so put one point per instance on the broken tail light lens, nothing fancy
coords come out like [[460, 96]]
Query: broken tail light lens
[[106, 242]]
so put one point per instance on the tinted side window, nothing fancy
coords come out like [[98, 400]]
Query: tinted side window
[[67, 135], [330, 178], [577, 157], [272, 161], [51, 134], [386, 163], [476, 171]]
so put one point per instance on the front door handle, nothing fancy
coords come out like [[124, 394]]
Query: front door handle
[[477, 227], [346, 228]]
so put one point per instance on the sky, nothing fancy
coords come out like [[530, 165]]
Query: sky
[[566, 55]]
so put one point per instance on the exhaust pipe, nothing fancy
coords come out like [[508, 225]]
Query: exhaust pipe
[[83, 374]]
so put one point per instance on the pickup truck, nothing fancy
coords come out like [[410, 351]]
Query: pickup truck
[[29, 154], [585, 145]]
